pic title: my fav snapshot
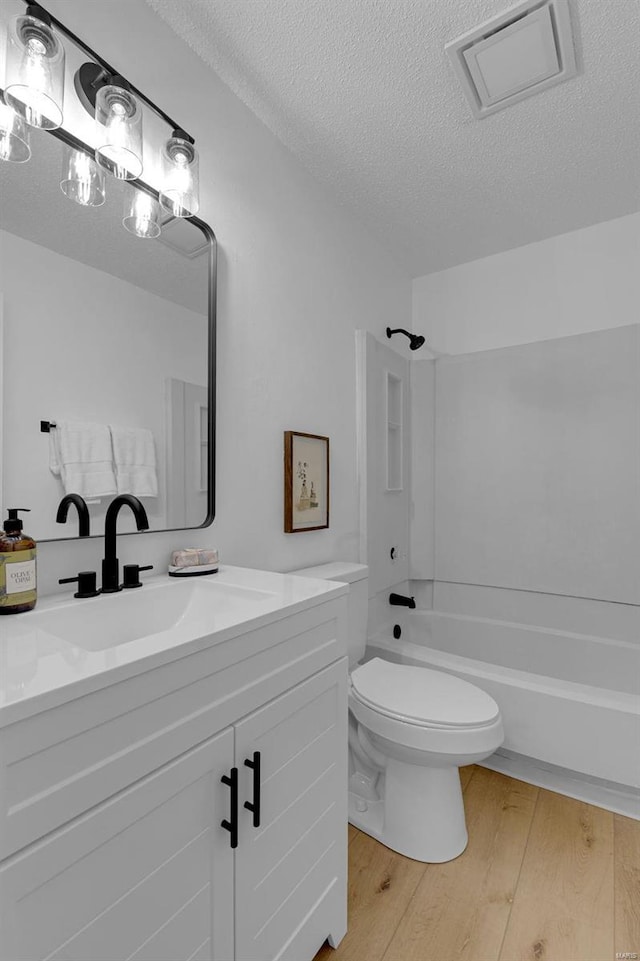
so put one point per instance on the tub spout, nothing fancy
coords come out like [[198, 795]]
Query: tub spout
[[399, 600]]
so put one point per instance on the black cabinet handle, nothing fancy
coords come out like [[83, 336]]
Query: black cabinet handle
[[232, 825], [254, 806]]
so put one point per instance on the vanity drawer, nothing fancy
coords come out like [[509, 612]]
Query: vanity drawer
[[57, 764]]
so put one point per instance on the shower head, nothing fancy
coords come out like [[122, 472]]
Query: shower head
[[415, 340]]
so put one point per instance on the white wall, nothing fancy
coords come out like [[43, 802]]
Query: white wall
[[582, 281], [94, 348], [297, 277]]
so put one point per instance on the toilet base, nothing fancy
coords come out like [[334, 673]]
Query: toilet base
[[421, 814]]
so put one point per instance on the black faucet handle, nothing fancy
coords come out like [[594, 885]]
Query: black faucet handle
[[131, 574], [86, 581]]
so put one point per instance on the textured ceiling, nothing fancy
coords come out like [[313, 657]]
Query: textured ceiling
[[363, 94]]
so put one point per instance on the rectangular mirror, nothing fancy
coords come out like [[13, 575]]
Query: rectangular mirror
[[108, 339]]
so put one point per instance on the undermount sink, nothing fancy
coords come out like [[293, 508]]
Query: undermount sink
[[187, 609]]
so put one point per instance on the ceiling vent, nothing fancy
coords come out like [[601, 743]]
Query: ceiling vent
[[525, 50]]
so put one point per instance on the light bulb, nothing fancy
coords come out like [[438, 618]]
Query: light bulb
[[14, 136], [119, 131], [34, 84], [37, 78], [82, 180], [141, 214], [180, 181]]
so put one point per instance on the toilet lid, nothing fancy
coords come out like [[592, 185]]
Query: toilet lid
[[422, 696]]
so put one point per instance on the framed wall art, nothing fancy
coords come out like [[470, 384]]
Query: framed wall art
[[306, 482]]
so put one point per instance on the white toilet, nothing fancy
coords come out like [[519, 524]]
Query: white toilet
[[410, 729]]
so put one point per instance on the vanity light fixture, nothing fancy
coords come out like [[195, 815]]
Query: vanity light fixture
[[118, 116], [141, 213], [34, 80], [33, 96], [82, 180], [119, 130], [180, 191], [14, 136]]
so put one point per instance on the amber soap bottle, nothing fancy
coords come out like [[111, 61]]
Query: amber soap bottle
[[17, 566]]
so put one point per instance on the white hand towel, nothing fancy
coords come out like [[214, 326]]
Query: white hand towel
[[80, 454], [134, 456]]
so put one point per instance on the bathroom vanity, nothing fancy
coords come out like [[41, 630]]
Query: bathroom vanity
[[173, 772]]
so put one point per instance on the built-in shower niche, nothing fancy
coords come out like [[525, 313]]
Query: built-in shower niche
[[393, 391]]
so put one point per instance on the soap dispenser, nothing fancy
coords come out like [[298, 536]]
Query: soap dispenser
[[17, 566]]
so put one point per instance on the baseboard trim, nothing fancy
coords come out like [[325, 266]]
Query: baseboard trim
[[617, 798]]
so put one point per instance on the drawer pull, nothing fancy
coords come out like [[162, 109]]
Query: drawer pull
[[231, 825], [254, 806]]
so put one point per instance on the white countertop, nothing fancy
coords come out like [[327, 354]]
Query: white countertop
[[40, 669]]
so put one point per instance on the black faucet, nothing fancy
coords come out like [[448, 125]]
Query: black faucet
[[83, 512], [399, 600], [110, 563]]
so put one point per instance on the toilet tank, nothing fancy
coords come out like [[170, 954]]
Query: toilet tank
[[356, 576]]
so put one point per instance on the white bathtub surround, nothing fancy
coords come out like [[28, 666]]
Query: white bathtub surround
[[422, 500], [600, 662], [557, 612], [383, 615], [531, 582], [537, 466], [384, 460]]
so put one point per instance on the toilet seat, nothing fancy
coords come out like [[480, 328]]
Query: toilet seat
[[422, 697]]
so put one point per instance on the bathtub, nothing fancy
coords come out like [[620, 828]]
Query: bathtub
[[570, 702]]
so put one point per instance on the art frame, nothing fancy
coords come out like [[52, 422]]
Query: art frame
[[306, 482]]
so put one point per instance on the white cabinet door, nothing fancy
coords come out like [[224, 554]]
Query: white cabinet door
[[147, 875], [291, 870]]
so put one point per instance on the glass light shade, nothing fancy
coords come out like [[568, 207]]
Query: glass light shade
[[14, 136], [180, 178], [34, 79], [141, 214], [82, 180], [119, 132]]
